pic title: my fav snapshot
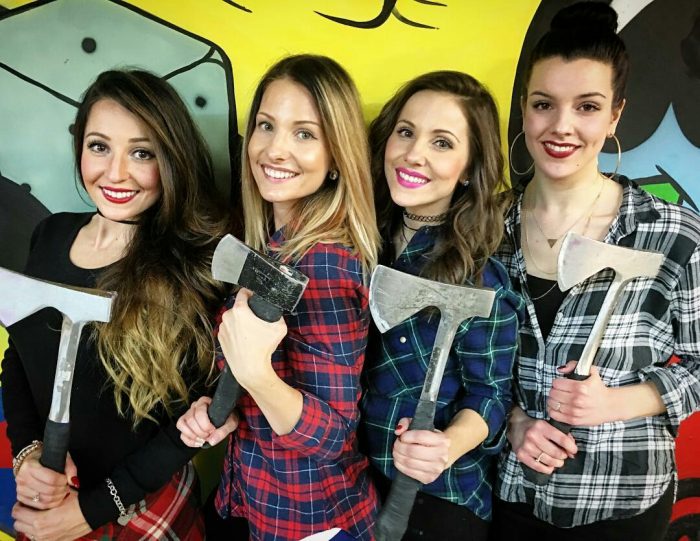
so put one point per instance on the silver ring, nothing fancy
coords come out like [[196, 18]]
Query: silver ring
[[35, 498], [539, 458], [557, 407]]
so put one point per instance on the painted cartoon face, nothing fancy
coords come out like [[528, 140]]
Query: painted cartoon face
[[567, 115], [427, 153], [119, 166], [287, 151]]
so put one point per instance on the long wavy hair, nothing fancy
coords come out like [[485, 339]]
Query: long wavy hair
[[166, 295], [473, 227], [341, 210]]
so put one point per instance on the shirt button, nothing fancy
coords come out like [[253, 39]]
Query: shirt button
[[402, 339]]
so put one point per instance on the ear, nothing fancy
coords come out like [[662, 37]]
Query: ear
[[616, 114]]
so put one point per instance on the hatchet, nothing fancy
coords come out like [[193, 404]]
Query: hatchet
[[276, 288], [395, 296], [579, 259], [20, 297]]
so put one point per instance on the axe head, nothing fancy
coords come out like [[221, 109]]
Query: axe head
[[21, 296], [237, 263], [581, 258], [394, 296]]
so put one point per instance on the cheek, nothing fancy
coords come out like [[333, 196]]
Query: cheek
[[88, 168]]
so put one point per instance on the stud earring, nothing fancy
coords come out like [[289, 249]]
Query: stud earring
[[333, 175]]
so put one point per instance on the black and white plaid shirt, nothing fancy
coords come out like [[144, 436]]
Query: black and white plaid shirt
[[623, 467]]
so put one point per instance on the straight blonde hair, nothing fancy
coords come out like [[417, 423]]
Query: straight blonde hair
[[342, 209]]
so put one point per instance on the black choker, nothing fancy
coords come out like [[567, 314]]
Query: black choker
[[127, 222], [425, 219]]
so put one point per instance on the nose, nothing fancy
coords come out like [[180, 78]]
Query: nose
[[415, 155], [563, 122], [278, 147], [118, 168]]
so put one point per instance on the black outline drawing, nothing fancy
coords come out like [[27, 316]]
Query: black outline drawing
[[237, 6], [388, 8]]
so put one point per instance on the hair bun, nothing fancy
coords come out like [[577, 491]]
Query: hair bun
[[592, 16]]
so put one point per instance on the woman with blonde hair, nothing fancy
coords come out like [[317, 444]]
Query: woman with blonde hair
[[146, 168], [292, 467]]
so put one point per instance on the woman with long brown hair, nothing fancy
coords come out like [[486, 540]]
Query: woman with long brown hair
[[145, 166]]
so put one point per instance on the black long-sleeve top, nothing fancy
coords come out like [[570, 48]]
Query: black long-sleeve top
[[140, 459]]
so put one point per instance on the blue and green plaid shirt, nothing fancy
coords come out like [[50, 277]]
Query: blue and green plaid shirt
[[477, 377]]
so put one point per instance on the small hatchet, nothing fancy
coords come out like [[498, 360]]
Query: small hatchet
[[395, 296], [579, 259], [20, 297], [276, 288]]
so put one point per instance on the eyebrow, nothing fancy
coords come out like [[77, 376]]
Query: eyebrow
[[437, 130], [132, 140], [580, 96], [296, 122]]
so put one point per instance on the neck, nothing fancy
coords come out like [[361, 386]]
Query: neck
[[109, 233], [564, 195]]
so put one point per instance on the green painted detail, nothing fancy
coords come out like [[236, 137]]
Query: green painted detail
[[664, 191]]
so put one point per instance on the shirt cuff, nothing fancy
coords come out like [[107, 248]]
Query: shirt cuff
[[317, 433], [674, 384], [97, 506]]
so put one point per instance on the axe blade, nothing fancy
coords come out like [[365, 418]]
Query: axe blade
[[394, 296], [21, 296], [236, 263], [581, 258]]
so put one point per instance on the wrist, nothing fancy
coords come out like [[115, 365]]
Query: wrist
[[262, 382]]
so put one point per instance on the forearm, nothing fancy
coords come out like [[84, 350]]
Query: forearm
[[466, 431], [280, 403], [635, 401]]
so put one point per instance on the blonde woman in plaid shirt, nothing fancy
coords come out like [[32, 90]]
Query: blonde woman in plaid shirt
[[614, 476]]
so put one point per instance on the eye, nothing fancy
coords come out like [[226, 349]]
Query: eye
[[542, 105], [98, 147], [264, 125], [443, 144], [305, 135], [404, 132], [143, 154], [589, 107]]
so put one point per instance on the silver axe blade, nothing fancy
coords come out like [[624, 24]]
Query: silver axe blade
[[579, 259], [395, 296], [20, 297]]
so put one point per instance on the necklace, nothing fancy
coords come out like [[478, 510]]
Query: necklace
[[543, 295], [553, 241], [425, 219]]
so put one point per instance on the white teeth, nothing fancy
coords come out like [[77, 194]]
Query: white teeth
[[119, 195], [411, 178], [559, 148], [282, 175]]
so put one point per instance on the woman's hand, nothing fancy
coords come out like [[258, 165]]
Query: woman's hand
[[421, 454], [581, 403], [42, 488], [538, 444], [248, 343], [63, 523], [195, 426]]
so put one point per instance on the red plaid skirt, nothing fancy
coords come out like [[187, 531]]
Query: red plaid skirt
[[170, 514]]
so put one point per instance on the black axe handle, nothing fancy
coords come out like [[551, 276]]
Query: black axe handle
[[393, 518], [539, 478], [56, 441], [228, 390]]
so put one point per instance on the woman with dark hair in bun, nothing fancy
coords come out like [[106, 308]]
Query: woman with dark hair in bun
[[613, 476]]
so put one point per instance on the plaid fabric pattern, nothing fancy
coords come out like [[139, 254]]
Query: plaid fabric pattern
[[313, 478], [477, 377], [171, 514], [622, 468]]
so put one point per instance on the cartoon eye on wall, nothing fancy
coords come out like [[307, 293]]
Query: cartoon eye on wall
[[659, 133], [388, 9], [50, 51]]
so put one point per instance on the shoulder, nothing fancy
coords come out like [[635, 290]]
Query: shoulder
[[496, 277], [331, 261], [62, 222]]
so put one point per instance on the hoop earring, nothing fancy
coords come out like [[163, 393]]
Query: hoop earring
[[510, 157], [619, 156]]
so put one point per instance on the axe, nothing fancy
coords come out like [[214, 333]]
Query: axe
[[276, 287], [20, 297], [395, 296], [579, 259]]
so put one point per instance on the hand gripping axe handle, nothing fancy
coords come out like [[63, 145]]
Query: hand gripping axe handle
[[20, 297], [395, 296], [579, 259], [276, 288]]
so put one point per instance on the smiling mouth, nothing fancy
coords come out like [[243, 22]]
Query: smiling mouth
[[278, 175], [559, 150], [118, 196], [410, 179]]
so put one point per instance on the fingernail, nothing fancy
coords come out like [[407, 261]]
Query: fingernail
[[399, 426], [75, 482], [199, 442]]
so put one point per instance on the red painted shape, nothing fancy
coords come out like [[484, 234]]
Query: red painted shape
[[5, 452]]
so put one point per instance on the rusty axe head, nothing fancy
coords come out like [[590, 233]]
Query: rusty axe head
[[581, 258], [394, 296], [21, 296], [236, 263]]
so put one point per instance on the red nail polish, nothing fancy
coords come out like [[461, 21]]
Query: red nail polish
[[75, 481], [399, 427]]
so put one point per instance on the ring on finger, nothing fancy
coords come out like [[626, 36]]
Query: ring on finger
[[557, 407], [539, 457], [36, 497]]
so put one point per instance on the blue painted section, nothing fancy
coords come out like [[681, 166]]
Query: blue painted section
[[7, 499]]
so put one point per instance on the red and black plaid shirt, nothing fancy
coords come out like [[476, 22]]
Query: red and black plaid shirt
[[313, 478]]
